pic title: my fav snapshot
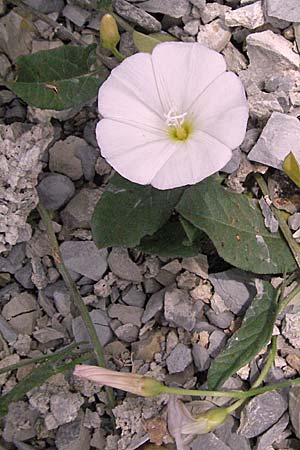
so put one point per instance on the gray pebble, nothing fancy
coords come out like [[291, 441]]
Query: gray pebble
[[261, 413], [294, 408], [127, 332], [23, 276], [89, 133], [88, 156], [46, 6], [217, 340], [20, 422], [7, 331], [233, 288], [134, 297], [288, 10], [100, 321], [55, 190], [137, 16], [179, 309], [270, 221], [85, 258], [16, 112], [273, 434], [126, 314], [208, 442], [121, 265], [47, 335], [201, 357], [179, 359], [154, 305], [294, 221], [76, 15], [73, 436], [173, 9], [65, 407], [227, 433], [221, 320], [78, 212]]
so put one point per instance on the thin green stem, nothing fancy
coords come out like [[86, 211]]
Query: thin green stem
[[67, 352], [202, 393], [75, 295], [285, 301], [294, 247], [117, 54]]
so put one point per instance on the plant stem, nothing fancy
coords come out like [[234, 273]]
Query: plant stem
[[117, 54], [294, 247], [79, 303], [284, 302]]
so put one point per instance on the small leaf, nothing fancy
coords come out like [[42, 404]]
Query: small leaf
[[236, 227], [291, 167], [59, 78], [254, 334], [170, 241], [127, 212], [147, 42]]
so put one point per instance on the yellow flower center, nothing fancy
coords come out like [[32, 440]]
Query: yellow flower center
[[179, 128]]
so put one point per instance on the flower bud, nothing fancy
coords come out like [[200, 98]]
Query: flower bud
[[109, 33], [129, 382], [205, 422]]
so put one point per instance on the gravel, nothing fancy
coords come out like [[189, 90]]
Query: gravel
[[55, 191]]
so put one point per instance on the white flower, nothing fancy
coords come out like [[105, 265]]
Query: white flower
[[171, 118]]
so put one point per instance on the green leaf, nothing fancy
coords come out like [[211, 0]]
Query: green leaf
[[59, 78], [236, 227], [291, 167], [171, 241], [147, 42], [254, 334], [127, 212]]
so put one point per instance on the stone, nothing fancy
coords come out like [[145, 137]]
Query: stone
[[127, 333], [261, 413], [294, 408], [7, 331], [234, 162], [16, 33], [44, 6], [137, 16], [65, 407], [21, 312], [63, 159], [234, 289], [208, 442], [6, 362], [16, 112], [78, 213], [214, 35], [266, 45], [294, 221], [280, 135], [134, 297], [249, 16], [85, 258], [126, 314], [192, 27], [73, 436], [121, 265], [289, 10], [201, 357], [101, 324], [19, 422], [23, 276], [270, 221], [176, 9], [47, 335], [180, 309], [228, 435], [198, 3], [221, 320], [88, 156], [76, 14], [212, 11], [154, 305], [21, 149], [55, 191], [217, 340], [235, 60], [291, 329], [196, 264], [179, 359], [62, 300], [273, 434]]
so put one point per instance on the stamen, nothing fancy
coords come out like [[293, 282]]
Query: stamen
[[173, 119]]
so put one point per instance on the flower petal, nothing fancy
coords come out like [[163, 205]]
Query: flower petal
[[130, 94], [133, 152], [183, 71], [196, 158], [222, 110]]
